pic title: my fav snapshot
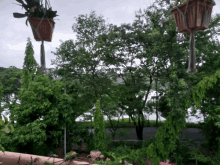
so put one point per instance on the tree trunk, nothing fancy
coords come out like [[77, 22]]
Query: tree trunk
[[156, 117], [139, 132]]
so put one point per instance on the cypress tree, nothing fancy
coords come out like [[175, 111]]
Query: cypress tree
[[99, 126], [29, 65]]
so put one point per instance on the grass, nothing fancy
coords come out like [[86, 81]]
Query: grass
[[126, 124]]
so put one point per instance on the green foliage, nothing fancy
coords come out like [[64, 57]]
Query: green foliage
[[29, 66], [9, 78], [38, 12], [5, 127], [163, 106], [147, 142], [211, 130], [168, 134], [99, 126], [123, 133], [47, 163], [22, 138], [1, 95], [68, 157], [113, 159], [121, 150], [130, 155], [202, 86], [43, 99], [77, 132], [110, 108]]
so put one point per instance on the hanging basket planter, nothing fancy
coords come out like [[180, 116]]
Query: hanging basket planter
[[192, 16], [42, 30], [197, 15], [40, 17]]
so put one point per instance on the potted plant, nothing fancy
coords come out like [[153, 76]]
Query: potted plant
[[190, 16], [39, 17]]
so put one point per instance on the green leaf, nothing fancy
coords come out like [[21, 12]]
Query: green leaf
[[2, 149], [19, 15]]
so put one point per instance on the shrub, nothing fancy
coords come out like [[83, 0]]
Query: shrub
[[99, 125], [147, 142]]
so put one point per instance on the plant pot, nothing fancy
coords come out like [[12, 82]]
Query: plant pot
[[195, 15], [45, 28]]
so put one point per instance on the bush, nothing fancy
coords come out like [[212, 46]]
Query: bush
[[89, 140], [146, 143], [123, 151]]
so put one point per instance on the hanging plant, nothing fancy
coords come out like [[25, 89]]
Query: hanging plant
[[34, 9], [192, 16]]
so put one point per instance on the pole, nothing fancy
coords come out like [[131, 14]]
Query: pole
[[156, 96], [42, 57], [65, 137], [192, 54]]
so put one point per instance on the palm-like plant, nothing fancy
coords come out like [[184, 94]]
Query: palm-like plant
[[39, 11]]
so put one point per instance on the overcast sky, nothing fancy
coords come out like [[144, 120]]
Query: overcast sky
[[14, 32]]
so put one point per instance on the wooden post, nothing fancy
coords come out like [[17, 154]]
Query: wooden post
[[43, 64], [192, 54]]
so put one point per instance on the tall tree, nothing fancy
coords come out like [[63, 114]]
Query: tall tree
[[134, 39], [99, 125], [44, 99], [80, 60], [22, 77], [30, 64], [175, 94]]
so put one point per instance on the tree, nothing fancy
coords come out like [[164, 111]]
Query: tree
[[135, 78], [99, 126], [106, 44], [43, 99], [27, 74], [30, 64], [164, 147], [10, 81], [110, 109], [79, 60]]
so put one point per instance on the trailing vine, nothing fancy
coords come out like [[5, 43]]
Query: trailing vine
[[168, 135]]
